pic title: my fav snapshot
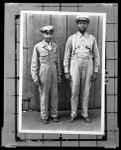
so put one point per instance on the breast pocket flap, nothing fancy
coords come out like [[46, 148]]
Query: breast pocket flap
[[43, 54], [88, 46]]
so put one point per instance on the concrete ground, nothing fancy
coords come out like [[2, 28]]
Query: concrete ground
[[31, 121]]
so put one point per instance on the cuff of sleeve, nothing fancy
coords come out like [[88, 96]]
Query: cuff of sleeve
[[35, 77], [95, 69], [66, 70]]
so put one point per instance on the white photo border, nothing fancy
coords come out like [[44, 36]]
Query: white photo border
[[101, 132]]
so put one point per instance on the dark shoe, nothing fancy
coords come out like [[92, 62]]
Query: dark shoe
[[87, 119], [45, 121], [71, 120], [55, 119]]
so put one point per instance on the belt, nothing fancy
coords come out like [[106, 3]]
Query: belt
[[81, 56], [47, 62]]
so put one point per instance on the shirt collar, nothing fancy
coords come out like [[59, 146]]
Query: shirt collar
[[45, 43], [79, 34]]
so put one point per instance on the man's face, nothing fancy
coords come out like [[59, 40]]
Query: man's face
[[48, 36], [82, 25]]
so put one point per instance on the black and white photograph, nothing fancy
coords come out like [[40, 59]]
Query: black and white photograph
[[62, 72]]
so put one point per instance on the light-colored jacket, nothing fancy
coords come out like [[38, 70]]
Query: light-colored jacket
[[42, 55]]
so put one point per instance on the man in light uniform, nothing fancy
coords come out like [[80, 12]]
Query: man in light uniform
[[81, 63], [46, 72]]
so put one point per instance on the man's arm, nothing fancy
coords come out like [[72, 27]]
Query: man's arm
[[96, 57], [66, 61], [34, 66], [59, 72], [96, 60]]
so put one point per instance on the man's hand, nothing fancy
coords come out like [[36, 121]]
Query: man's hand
[[67, 76], [36, 81], [59, 79], [94, 76]]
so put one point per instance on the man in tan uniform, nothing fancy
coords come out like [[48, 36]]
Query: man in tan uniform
[[81, 63], [46, 72]]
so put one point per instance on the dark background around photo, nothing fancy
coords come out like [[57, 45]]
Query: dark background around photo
[[111, 105]]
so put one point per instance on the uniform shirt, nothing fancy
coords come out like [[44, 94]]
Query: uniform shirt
[[44, 53], [84, 46]]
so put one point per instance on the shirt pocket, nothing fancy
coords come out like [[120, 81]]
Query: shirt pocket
[[88, 46], [77, 48], [43, 56]]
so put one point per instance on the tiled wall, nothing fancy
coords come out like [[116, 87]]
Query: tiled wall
[[9, 128]]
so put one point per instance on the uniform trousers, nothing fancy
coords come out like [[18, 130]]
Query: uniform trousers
[[48, 88], [81, 72]]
